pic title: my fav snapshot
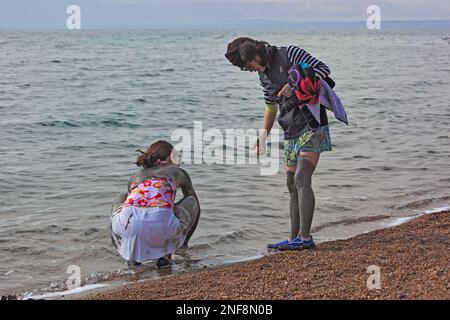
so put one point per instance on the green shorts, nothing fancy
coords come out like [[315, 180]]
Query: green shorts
[[318, 141]]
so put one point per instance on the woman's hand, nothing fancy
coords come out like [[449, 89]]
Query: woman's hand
[[285, 91], [259, 148]]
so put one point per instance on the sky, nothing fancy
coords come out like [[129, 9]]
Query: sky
[[30, 14]]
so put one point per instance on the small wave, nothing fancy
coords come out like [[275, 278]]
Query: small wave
[[55, 61], [231, 236], [9, 272], [57, 123], [66, 292], [123, 114], [141, 100], [350, 221], [105, 100], [200, 246], [52, 229], [403, 220], [149, 75], [80, 59], [73, 147], [340, 185], [25, 251], [90, 231], [119, 123], [419, 203], [93, 281], [189, 101], [436, 210], [18, 249]]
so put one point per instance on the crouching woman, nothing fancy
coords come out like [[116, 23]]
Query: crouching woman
[[146, 223]]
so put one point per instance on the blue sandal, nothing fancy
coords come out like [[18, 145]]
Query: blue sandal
[[277, 245], [298, 244]]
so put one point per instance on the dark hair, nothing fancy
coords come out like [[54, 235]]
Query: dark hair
[[243, 50], [159, 150]]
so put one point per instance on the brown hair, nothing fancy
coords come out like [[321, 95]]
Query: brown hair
[[159, 150], [242, 50]]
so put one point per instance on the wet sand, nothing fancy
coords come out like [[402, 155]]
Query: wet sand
[[413, 259]]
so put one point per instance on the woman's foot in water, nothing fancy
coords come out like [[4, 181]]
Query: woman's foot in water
[[133, 263], [164, 261]]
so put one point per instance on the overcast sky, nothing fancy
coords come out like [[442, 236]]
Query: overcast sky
[[210, 13]]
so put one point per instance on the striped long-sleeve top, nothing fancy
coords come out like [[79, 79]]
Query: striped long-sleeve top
[[294, 55], [280, 60]]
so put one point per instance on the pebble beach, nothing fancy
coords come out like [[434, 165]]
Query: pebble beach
[[412, 260]]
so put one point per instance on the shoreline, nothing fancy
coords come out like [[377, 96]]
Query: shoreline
[[412, 259]]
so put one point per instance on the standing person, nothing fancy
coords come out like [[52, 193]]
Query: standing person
[[302, 144], [146, 223]]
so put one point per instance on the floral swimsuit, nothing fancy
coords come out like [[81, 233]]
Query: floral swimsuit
[[154, 192]]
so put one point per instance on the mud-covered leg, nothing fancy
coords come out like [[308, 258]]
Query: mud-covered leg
[[116, 207], [187, 211], [118, 202], [293, 205], [303, 182]]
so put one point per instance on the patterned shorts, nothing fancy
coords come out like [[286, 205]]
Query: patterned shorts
[[318, 141]]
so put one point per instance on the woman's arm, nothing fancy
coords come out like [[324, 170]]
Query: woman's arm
[[269, 119], [130, 181], [185, 183], [270, 114]]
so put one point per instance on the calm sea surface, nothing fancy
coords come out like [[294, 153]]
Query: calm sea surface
[[76, 105]]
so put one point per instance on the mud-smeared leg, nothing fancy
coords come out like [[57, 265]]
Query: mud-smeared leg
[[116, 207], [118, 202], [303, 182], [187, 211], [293, 203]]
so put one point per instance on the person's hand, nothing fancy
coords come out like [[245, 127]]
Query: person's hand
[[259, 147], [285, 91]]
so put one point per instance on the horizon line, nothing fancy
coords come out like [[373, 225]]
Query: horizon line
[[246, 23]]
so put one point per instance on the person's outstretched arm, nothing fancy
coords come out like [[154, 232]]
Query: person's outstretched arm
[[270, 114], [269, 119]]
